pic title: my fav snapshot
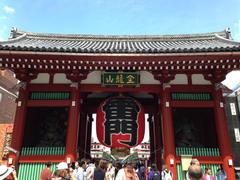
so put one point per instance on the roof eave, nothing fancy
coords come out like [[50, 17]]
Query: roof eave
[[12, 40], [225, 40], [10, 52]]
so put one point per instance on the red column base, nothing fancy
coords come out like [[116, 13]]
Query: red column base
[[11, 157], [229, 168], [170, 161], [69, 158]]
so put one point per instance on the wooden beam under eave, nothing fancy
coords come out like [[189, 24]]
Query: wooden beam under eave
[[142, 88], [68, 54], [192, 104], [147, 109], [48, 103]]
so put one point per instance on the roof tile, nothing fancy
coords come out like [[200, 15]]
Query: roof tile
[[208, 42]]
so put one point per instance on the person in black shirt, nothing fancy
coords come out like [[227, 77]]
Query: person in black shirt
[[99, 172]]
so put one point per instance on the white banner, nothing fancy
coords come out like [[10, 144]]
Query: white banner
[[233, 109], [237, 134]]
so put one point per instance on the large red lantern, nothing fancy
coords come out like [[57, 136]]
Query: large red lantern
[[120, 122]]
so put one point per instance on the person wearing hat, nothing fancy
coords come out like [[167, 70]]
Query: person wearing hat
[[62, 171], [6, 172], [46, 173]]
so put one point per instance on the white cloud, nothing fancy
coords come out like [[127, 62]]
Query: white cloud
[[232, 80], [236, 35], [8, 9]]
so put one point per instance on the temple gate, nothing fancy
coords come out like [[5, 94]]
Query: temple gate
[[61, 87]]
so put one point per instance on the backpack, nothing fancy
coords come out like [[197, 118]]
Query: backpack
[[156, 175], [167, 175]]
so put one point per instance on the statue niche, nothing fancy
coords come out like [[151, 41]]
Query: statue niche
[[186, 133], [53, 129]]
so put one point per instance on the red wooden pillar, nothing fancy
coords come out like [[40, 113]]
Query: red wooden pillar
[[222, 133], [73, 124], [158, 150], [19, 123], [152, 139], [89, 136], [168, 131]]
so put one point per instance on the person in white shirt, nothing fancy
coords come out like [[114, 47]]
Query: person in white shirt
[[90, 170], [110, 173], [79, 171]]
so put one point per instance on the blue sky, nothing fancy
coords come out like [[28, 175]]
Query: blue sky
[[120, 16]]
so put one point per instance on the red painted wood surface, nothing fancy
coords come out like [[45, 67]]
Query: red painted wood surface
[[42, 158], [20, 119], [73, 124], [168, 131]]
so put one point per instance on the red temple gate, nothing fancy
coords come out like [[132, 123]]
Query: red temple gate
[[63, 72]]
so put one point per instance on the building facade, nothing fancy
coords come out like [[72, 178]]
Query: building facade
[[62, 85], [142, 150], [233, 118], [97, 150], [7, 108]]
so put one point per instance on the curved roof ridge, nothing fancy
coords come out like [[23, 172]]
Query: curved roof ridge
[[205, 42], [227, 40], [16, 39], [16, 33]]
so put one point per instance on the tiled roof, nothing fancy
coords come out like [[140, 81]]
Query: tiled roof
[[207, 42]]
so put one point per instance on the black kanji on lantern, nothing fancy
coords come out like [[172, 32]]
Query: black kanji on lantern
[[121, 118]]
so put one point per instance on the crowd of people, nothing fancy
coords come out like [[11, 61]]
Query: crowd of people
[[104, 170], [196, 173]]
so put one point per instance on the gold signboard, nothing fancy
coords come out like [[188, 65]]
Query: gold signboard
[[120, 79]]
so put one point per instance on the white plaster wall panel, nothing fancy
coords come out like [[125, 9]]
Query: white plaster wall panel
[[60, 78], [147, 78], [93, 78], [180, 79], [42, 78], [199, 79]]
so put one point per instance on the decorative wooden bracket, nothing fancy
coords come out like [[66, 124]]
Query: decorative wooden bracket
[[216, 76], [77, 76], [164, 76], [25, 76]]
